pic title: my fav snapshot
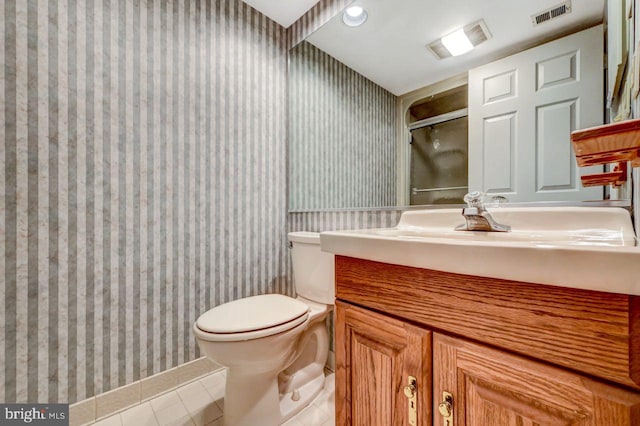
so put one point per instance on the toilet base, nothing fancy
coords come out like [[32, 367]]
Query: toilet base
[[304, 395], [271, 379], [253, 401], [262, 392]]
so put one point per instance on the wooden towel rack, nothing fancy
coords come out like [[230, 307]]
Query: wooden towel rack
[[610, 143]]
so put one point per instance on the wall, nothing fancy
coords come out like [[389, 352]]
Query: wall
[[342, 135], [143, 181], [343, 219], [623, 23], [634, 50], [316, 17]]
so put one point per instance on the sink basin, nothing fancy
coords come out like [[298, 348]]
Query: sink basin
[[581, 237], [581, 247], [561, 226]]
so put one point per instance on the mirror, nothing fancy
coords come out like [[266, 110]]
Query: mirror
[[350, 89], [341, 135]]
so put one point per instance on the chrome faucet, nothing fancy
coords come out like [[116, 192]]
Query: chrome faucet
[[477, 217]]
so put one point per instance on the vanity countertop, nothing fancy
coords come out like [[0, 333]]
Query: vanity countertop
[[592, 248]]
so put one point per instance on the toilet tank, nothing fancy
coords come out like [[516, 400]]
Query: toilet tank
[[313, 269]]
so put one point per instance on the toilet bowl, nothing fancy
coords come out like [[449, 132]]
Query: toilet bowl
[[274, 346]]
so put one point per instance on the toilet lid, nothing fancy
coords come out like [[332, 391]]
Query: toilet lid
[[252, 313]]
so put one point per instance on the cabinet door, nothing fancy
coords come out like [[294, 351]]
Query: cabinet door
[[375, 355], [490, 387]]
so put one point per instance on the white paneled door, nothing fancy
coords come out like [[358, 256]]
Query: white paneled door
[[522, 110]]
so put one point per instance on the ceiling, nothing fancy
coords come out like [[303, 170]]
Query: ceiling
[[284, 12], [390, 48]]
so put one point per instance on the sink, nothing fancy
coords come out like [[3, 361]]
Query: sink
[[536, 225], [581, 247], [581, 237]]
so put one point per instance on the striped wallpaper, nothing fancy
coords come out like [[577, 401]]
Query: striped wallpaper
[[343, 219], [142, 181], [342, 135], [316, 17]]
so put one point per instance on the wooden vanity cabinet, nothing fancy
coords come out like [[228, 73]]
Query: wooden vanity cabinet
[[508, 353]]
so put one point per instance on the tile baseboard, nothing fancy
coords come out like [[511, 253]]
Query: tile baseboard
[[114, 401]]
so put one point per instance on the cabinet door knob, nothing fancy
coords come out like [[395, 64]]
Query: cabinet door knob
[[410, 390], [446, 409]]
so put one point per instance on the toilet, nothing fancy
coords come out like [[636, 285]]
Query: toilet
[[274, 346]]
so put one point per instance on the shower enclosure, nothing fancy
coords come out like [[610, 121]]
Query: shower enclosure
[[439, 159]]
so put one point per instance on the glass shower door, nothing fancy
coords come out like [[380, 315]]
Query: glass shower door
[[439, 162]]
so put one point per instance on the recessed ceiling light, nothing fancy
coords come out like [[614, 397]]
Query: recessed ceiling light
[[354, 16], [457, 43]]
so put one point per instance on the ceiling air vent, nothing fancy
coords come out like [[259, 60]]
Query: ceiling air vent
[[549, 14], [476, 33]]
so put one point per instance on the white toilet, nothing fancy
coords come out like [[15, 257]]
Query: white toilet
[[275, 347]]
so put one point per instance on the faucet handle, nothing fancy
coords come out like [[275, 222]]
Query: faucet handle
[[474, 199]]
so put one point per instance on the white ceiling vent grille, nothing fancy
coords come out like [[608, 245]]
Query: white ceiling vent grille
[[549, 14], [476, 33]]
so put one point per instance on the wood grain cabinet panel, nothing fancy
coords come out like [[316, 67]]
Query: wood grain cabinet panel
[[510, 353], [587, 331], [492, 387], [375, 355]]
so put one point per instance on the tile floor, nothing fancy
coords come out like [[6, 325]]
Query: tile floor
[[201, 403]]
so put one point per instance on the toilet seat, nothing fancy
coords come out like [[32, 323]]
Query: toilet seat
[[251, 318]]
